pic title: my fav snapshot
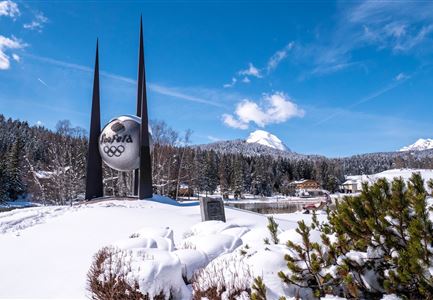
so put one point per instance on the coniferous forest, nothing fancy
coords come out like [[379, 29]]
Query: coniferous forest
[[49, 165]]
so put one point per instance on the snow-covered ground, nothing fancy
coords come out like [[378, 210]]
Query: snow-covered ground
[[406, 174], [46, 252]]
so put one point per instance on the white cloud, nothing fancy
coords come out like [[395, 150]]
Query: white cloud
[[39, 123], [251, 71], [278, 56], [9, 9], [276, 108], [16, 57], [230, 121], [396, 29], [37, 23], [232, 83], [249, 111], [409, 26], [5, 44], [414, 40], [398, 26], [401, 76]]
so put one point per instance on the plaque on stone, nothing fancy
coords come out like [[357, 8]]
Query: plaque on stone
[[212, 209]]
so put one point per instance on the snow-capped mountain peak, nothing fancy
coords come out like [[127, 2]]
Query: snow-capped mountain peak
[[267, 139], [421, 144]]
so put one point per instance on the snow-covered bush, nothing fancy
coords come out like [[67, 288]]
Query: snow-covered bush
[[378, 243], [111, 276], [227, 277], [108, 277]]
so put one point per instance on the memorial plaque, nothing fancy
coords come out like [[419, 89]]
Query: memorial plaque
[[212, 209]]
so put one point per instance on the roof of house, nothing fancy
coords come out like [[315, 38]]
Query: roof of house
[[302, 181]]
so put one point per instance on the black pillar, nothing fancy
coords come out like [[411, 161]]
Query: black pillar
[[94, 185], [145, 170], [139, 94]]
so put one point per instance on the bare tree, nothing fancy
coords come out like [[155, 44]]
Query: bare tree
[[181, 149]]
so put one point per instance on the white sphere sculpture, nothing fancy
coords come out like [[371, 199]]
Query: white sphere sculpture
[[119, 143]]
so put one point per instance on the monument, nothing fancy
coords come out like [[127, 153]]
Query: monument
[[212, 209], [124, 143]]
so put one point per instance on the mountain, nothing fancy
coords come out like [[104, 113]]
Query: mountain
[[259, 142], [421, 144], [253, 149], [266, 139]]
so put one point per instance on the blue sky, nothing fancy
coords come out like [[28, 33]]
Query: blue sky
[[331, 78]]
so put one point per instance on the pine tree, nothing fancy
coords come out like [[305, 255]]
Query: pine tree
[[225, 175], [3, 181], [211, 172], [308, 264], [238, 177], [14, 173], [382, 242], [273, 229], [259, 289]]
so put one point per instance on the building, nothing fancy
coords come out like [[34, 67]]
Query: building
[[351, 186], [305, 184]]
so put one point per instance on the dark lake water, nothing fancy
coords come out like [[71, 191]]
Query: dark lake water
[[268, 208]]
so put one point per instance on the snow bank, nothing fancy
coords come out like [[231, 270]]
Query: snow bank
[[267, 262], [157, 272], [192, 261], [51, 248], [212, 245], [296, 238], [228, 274], [389, 175]]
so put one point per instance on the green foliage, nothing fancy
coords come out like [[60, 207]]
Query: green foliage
[[308, 264], [383, 236], [3, 181], [14, 170], [273, 229], [259, 289]]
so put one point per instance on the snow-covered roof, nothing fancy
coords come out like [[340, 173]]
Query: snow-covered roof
[[302, 181], [350, 181]]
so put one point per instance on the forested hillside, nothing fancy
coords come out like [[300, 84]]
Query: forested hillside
[[50, 165]]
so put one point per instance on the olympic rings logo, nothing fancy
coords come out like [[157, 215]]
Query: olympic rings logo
[[114, 151]]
